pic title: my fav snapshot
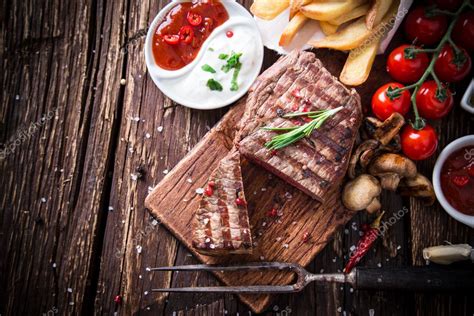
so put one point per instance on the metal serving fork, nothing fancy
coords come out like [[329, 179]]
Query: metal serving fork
[[406, 278]]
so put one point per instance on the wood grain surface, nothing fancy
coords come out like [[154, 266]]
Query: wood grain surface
[[80, 151]]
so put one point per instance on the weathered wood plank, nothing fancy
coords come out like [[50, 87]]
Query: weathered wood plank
[[53, 183]]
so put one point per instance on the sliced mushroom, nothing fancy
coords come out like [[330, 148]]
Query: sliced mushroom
[[419, 187], [391, 168], [386, 131], [362, 193], [370, 125], [394, 146], [367, 146]]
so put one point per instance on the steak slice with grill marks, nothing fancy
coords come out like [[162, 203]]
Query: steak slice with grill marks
[[221, 224], [299, 82]]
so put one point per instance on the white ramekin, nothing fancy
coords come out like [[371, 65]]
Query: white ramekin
[[447, 151]]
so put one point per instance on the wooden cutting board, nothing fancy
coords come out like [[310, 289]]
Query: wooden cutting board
[[174, 201]]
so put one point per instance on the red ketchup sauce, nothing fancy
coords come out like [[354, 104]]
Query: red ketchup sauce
[[179, 37], [457, 180]]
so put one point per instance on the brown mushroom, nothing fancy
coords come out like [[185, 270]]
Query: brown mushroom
[[391, 168], [362, 193], [363, 149], [419, 187], [386, 131], [370, 125]]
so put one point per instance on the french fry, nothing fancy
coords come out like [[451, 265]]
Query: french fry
[[329, 10], [377, 12], [295, 6], [292, 28], [351, 15], [358, 64], [328, 28], [348, 38], [357, 33], [269, 9]]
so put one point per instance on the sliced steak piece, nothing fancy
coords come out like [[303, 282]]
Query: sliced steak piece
[[299, 82], [221, 224]]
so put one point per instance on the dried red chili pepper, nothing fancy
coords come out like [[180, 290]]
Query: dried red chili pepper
[[365, 243]]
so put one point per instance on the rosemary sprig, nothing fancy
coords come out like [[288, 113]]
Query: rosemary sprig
[[295, 133]]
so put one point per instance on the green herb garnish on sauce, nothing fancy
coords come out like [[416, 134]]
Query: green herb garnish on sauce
[[208, 68], [232, 62], [214, 85], [234, 86], [223, 56]]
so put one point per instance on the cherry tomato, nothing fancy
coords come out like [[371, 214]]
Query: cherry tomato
[[433, 104], [404, 67], [463, 32], [194, 19], [452, 67], [450, 5], [419, 144], [171, 39], [186, 34], [383, 106], [425, 30]]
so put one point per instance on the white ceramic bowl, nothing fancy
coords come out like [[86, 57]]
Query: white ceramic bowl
[[165, 79], [447, 151]]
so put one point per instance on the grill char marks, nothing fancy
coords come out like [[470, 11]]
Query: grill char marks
[[298, 81], [220, 225]]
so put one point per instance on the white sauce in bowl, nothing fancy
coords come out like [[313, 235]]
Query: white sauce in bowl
[[194, 83], [188, 86]]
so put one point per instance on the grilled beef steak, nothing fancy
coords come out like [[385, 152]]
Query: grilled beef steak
[[299, 82], [221, 224]]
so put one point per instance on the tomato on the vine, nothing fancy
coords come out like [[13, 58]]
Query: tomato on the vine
[[419, 144], [463, 31], [406, 66], [433, 103], [452, 66], [383, 105], [424, 29], [450, 5]]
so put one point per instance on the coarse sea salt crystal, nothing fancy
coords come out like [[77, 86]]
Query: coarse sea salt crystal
[[69, 290], [139, 249], [165, 171], [199, 190], [190, 180], [160, 129], [43, 200], [147, 135]]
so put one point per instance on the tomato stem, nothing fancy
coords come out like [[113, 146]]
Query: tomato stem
[[419, 122]]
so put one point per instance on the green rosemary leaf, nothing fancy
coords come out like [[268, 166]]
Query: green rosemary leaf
[[296, 133]]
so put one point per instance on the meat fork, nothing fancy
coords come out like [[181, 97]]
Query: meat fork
[[407, 278]]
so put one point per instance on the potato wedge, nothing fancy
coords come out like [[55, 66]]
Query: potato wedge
[[377, 12], [292, 28], [348, 38], [351, 15], [328, 28], [295, 6], [329, 10], [358, 64], [269, 9]]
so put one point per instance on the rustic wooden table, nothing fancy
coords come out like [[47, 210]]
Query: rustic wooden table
[[82, 147]]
